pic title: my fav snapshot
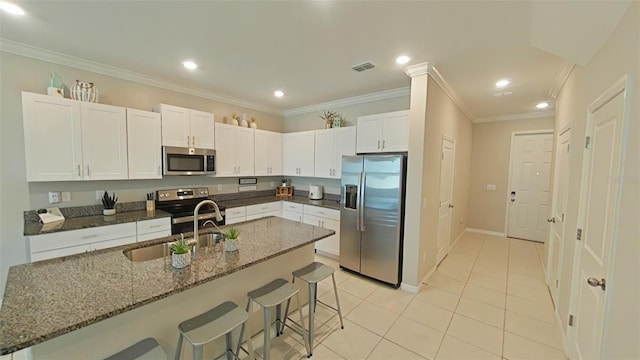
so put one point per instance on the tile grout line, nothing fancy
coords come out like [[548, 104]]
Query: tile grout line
[[506, 291], [484, 239]]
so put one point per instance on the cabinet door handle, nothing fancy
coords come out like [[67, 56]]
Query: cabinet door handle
[[383, 144], [79, 170], [90, 236], [378, 144], [158, 169], [154, 226], [193, 141], [88, 170], [188, 141], [238, 169]]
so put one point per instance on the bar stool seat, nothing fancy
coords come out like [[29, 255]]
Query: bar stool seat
[[272, 295], [312, 274], [146, 349], [212, 324]]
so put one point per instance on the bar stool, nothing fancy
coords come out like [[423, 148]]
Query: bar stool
[[312, 274], [143, 349], [272, 295], [210, 325]]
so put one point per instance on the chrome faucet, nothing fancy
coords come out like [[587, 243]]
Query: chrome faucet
[[195, 216]]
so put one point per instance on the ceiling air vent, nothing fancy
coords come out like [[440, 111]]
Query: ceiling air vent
[[364, 66]]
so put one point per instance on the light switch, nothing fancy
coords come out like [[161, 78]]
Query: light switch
[[491, 187]]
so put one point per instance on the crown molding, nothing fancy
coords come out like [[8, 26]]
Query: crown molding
[[448, 90], [361, 99], [523, 116], [561, 77], [418, 69], [25, 50]]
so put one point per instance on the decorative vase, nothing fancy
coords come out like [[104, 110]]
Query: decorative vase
[[108, 212], [234, 122], [180, 261], [253, 125], [230, 245], [84, 91], [337, 122], [244, 123]]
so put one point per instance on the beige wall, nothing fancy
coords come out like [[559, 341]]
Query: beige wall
[[620, 55], [490, 165], [312, 120], [16, 195], [444, 118]]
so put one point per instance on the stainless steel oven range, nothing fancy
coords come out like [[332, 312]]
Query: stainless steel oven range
[[180, 203]]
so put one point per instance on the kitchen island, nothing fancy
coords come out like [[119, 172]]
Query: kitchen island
[[93, 304]]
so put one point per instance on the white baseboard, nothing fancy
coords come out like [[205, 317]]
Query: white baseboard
[[328, 254], [486, 232], [456, 240], [429, 274], [410, 288]]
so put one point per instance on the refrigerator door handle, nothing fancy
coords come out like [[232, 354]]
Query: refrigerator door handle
[[358, 202], [363, 181]]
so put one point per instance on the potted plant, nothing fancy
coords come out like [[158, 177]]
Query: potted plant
[[180, 254], [231, 237], [109, 203]]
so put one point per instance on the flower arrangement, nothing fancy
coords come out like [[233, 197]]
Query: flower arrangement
[[332, 119]]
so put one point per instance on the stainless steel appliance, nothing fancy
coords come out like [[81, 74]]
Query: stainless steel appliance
[[315, 192], [372, 216], [180, 203], [188, 161]]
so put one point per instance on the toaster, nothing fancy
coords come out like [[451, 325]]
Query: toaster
[[315, 192]]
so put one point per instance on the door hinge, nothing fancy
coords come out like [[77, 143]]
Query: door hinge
[[572, 320], [579, 234], [587, 142]]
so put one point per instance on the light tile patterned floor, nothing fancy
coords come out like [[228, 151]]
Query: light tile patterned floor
[[487, 300]]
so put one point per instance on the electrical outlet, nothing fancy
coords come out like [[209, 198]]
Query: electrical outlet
[[273, 184], [66, 196], [219, 187], [54, 197], [99, 194]]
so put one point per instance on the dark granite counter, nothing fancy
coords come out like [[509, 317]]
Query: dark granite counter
[[46, 299], [82, 222], [330, 204]]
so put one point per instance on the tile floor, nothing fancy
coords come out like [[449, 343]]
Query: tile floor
[[487, 300]]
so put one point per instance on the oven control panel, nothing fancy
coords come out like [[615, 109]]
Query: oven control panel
[[182, 194]]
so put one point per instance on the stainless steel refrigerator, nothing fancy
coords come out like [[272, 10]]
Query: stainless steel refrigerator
[[372, 216]]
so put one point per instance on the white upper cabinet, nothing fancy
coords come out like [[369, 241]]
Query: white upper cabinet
[[52, 138], [388, 132], [234, 150], [298, 153], [330, 145], [144, 141], [104, 141], [185, 127], [268, 153]]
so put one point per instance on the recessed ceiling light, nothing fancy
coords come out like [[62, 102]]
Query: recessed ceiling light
[[502, 83], [11, 8], [190, 65], [542, 105], [403, 59], [278, 93]]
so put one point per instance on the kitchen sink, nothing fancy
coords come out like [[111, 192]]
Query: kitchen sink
[[161, 250]]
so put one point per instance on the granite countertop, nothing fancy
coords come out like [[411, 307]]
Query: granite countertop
[[82, 222], [330, 204], [50, 298]]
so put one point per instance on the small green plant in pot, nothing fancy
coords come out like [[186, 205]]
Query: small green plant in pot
[[109, 203], [180, 254], [231, 236]]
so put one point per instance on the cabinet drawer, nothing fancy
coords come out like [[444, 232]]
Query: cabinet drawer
[[236, 212], [155, 225], [154, 235], [113, 243], [65, 239], [322, 212], [263, 208], [235, 220], [292, 215], [291, 206], [72, 250]]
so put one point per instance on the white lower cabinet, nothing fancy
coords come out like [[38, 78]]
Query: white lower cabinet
[[48, 246], [263, 210], [327, 219], [153, 229], [235, 215]]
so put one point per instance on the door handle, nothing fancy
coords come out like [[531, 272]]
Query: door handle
[[552, 220], [361, 211], [378, 144], [513, 196], [450, 206], [383, 144], [193, 141], [595, 282]]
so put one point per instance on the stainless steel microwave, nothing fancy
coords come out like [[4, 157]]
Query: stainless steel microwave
[[188, 161]]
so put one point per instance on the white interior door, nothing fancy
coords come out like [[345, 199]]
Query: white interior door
[[446, 197], [529, 197], [598, 214], [559, 205]]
